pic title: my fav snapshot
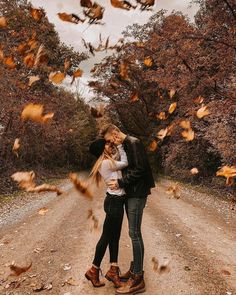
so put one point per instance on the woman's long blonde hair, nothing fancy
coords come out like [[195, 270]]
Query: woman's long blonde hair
[[95, 174]]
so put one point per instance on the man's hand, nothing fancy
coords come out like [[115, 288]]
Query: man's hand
[[117, 139], [113, 184]]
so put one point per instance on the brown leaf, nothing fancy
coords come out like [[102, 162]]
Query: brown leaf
[[36, 14], [155, 264], [86, 3], [123, 70], [33, 79], [72, 282], [17, 270], [174, 190], [122, 4], [43, 211], [72, 18], [90, 213], [80, 185], [56, 77], [202, 112], [153, 145], [24, 179], [46, 188], [29, 60], [67, 64], [134, 96], [95, 222]]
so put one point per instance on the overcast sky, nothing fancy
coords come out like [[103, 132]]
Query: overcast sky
[[115, 22]]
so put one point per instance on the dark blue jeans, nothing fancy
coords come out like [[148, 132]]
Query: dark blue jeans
[[134, 210], [114, 208]]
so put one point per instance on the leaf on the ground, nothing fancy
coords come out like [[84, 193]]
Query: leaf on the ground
[[40, 286], [80, 185], [174, 190], [155, 264], [95, 221], [164, 267], [16, 146], [90, 213], [43, 211], [172, 107], [3, 22], [202, 112], [72, 282], [57, 77], [33, 79], [67, 266], [194, 171], [18, 270], [34, 112], [187, 268], [153, 145], [38, 250], [225, 272]]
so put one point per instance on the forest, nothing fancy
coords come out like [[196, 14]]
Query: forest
[[170, 82]]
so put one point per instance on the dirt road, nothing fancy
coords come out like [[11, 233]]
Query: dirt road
[[197, 233]]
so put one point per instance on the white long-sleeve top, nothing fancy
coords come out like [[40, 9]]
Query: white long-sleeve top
[[109, 170]]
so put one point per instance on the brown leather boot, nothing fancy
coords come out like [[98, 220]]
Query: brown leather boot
[[113, 276], [125, 276], [93, 275], [133, 286]]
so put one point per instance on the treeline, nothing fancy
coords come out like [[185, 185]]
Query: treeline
[[30, 50], [173, 84]]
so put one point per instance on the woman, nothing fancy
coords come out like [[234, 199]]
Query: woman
[[110, 161]]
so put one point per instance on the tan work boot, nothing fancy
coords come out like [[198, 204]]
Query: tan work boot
[[125, 276], [113, 276], [93, 275], [133, 286]]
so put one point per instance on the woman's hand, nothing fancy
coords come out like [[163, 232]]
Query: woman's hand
[[113, 184]]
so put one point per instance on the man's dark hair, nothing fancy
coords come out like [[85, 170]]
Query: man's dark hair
[[108, 129]]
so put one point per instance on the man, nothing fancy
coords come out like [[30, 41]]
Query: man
[[137, 181]]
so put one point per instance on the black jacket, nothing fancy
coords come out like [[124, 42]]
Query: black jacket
[[137, 177]]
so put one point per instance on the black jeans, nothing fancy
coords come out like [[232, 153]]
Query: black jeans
[[114, 208], [134, 210]]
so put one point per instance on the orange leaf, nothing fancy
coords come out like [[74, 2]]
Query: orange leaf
[[57, 77], [185, 124], [16, 146], [134, 96], [202, 112], [9, 61], [78, 73], [34, 112], [148, 61], [80, 185], [172, 107], [229, 172], [3, 22], [162, 116], [188, 134], [153, 146]]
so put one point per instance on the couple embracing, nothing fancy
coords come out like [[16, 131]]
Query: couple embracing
[[123, 165]]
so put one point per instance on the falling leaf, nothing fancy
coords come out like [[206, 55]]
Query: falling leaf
[[202, 112], [148, 61], [3, 22], [134, 96], [57, 77], [122, 4], [33, 79], [162, 133], [37, 14], [67, 64], [188, 134], [43, 211], [80, 186], [9, 62], [95, 13], [229, 172], [86, 3], [24, 179], [172, 107], [162, 116], [172, 93], [194, 171], [17, 270], [34, 112], [72, 282], [46, 188], [72, 18], [41, 56], [76, 74], [153, 145], [16, 146], [199, 99], [185, 124]]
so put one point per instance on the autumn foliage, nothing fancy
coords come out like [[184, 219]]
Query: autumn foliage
[[173, 84], [42, 126]]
